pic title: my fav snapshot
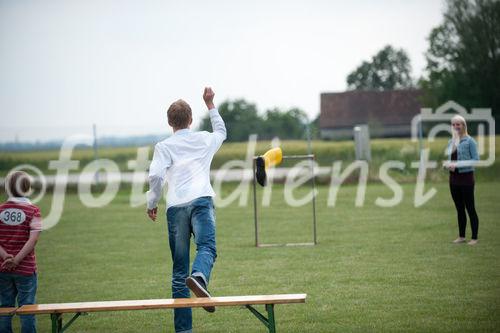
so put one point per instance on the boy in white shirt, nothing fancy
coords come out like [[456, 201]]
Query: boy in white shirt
[[183, 160]]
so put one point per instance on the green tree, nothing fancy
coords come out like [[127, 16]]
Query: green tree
[[284, 124], [241, 118], [463, 59], [314, 127], [388, 69]]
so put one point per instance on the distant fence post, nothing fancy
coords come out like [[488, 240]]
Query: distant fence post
[[96, 154], [362, 143]]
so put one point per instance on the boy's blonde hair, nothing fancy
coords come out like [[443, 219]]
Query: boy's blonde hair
[[17, 184], [179, 114]]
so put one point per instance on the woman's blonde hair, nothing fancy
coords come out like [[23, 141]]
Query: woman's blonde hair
[[454, 135]]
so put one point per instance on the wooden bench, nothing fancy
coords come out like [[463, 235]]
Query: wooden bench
[[7, 311], [57, 310]]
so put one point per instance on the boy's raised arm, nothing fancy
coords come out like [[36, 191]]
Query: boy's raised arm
[[208, 97], [218, 126]]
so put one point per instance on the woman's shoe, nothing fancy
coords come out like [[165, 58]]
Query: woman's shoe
[[472, 242], [459, 240]]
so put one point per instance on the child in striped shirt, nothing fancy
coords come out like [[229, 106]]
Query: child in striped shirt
[[20, 227]]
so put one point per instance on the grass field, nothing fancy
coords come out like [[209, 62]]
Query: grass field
[[374, 269]]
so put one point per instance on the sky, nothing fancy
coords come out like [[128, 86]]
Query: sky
[[67, 64]]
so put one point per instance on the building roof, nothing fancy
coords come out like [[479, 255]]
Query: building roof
[[346, 109]]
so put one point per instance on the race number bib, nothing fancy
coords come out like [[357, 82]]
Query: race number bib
[[12, 216]]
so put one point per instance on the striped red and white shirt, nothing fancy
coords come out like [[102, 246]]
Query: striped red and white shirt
[[18, 218]]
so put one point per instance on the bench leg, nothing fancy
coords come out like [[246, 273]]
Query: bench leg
[[269, 322], [270, 318], [56, 322]]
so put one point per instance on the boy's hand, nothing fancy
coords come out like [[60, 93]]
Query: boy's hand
[[208, 97], [9, 263], [152, 213]]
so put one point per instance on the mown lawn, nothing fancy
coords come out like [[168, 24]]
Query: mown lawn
[[374, 269]]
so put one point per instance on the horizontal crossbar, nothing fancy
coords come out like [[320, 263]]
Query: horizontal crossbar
[[293, 157], [286, 244]]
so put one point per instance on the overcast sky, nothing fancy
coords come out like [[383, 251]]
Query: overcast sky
[[65, 65]]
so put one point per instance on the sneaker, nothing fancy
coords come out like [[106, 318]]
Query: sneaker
[[472, 242], [260, 173], [459, 240], [198, 287]]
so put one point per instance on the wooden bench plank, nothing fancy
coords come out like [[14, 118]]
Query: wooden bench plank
[[160, 304], [7, 311]]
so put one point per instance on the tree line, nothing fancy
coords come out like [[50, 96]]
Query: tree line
[[243, 118]]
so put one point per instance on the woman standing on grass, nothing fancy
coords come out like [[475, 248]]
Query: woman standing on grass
[[462, 154]]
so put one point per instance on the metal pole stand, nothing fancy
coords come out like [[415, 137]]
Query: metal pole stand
[[309, 157]]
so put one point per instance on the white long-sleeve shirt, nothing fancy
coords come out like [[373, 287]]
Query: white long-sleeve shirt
[[183, 160]]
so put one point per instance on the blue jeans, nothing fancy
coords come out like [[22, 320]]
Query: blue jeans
[[196, 217], [23, 288]]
